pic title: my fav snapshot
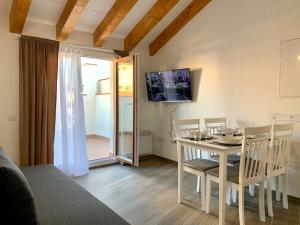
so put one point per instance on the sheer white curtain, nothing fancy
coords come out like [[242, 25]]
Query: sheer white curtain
[[70, 153]]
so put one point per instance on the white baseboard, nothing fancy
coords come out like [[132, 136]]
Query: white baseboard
[[102, 162]]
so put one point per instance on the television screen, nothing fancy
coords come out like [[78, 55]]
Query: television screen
[[170, 86]]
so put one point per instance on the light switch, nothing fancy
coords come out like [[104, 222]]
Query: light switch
[[12, 117]]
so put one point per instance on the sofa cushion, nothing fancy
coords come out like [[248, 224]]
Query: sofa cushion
[[61, 201], [16, 198]]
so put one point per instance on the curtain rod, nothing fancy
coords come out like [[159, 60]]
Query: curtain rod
[[78, 45]]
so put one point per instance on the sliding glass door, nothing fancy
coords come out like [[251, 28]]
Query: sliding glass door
[[126, 110]]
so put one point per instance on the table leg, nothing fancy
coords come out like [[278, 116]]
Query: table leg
[[180, 170], [222, 186]]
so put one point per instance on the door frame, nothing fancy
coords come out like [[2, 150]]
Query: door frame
[[135, 158]]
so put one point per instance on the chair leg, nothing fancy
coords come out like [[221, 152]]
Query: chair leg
[[203, 197], [241, 205], [284, 185], [269, 196], [208, 194], [251, 189], [198, 184], [262, 214], [180, 186], [234, 195], [278, 188]]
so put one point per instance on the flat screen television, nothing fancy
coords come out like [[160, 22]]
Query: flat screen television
[[169, 86]]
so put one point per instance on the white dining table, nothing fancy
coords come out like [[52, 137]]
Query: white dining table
[[212, 147]]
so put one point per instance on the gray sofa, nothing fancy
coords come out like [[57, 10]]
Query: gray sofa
[[44, 195]]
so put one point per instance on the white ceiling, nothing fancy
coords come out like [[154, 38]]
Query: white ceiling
[[48, 12]]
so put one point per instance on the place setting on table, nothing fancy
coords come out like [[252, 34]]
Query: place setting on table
[[223, 136]]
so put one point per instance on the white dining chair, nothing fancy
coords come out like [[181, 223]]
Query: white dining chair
[[213, 126], [250, 171], [277, 165], [193, 162]]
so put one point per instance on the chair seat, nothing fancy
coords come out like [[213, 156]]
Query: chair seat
[[232, 173], [231, 158], [201, 164]]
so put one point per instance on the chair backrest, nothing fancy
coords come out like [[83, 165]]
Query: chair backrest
[[214, 124], [254, 154], [184, 128], [187, 126], [279, 151]]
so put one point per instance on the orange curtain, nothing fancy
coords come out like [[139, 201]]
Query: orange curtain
[[38, 62]]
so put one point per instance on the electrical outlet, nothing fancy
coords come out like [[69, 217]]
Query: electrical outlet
[[12, 118], [292, 117]]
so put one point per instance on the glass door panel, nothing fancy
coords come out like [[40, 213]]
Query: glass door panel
[[126, 110]]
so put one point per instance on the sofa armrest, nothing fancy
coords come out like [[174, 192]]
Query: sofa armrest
[[16, 198]]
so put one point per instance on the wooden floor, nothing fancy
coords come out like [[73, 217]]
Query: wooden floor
[[148, 195]]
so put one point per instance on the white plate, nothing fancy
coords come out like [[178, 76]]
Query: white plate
[[256, 136], [228, 140]]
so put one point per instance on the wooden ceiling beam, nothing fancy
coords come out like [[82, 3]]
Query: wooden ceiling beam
[[18, 14], [184, 17], [112, 19], [69, 18], [148, 22]]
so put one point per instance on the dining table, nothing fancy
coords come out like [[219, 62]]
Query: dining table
[[210, 146]]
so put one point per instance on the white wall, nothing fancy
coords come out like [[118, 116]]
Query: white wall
[[9, 90], [233, 48]]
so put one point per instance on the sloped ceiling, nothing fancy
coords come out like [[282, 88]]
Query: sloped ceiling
[[95, 11]]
